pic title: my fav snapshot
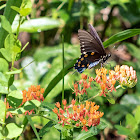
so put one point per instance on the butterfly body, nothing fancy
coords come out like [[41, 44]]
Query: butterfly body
[[92, 50]]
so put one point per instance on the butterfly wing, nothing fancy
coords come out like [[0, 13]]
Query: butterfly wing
[[91, 48], [95, 35], [87, 60], [89, 43]]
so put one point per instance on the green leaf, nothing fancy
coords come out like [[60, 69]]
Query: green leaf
[[58, 77], [122, 130], [1, 136], [13, 130], [7, 54], [15, 8], [37, 25], [10, 15], [3, 65], [32, 125], [47, 105], [32, 104], [12, 48], [46, 128], [121, 36], [9, 41], [11, 80], [102, 125], [25, 11], [133, 50], [26, 7], [130, 122], [5, 24], [111, 98], [2, 110], [3, 89], [84, 135], [15, 98], [26, 4], [137, 114], [19, 110], [4, 79]]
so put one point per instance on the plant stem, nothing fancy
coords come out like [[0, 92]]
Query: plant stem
[[93, 97], [62, 67]]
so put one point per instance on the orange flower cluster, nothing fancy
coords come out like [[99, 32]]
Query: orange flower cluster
[[33, 93], [124, 75], [82, 115], [82, 85], [106, 82]]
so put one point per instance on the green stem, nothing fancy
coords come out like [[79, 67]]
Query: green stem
[[45, 117], [62, 67], [92, 97]]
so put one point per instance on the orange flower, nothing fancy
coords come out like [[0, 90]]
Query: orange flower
[[33, 93], [55, 110], [57, 104], [64, 102], [83, 76], [81, 115], [73, 102], [83, 85]]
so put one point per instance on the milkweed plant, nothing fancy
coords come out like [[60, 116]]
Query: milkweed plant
[[81, 113]]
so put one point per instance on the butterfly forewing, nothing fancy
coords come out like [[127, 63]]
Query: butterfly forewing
[[88, 43], [95, 35]]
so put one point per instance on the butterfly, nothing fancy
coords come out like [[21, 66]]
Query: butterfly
[[92, 50]]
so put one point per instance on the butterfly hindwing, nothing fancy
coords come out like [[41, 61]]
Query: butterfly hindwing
[[86, 61]]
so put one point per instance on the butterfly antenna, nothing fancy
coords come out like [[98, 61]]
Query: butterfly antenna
[[74, 72], [70, 68]]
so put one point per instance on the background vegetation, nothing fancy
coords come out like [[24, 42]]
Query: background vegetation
[[43, 29]]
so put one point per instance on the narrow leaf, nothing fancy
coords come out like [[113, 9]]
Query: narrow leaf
[[14, 72], [46, 128], [137, 114], [121, 36], [37, 25], [15, 8], [32, 125], [58, 77]]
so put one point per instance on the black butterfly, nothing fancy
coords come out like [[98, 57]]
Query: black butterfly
[[92, 50]]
